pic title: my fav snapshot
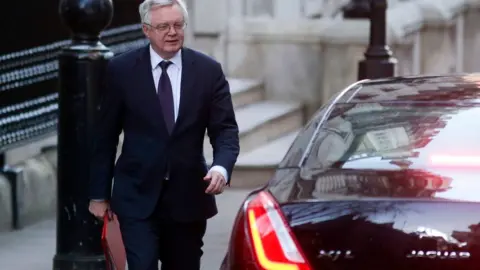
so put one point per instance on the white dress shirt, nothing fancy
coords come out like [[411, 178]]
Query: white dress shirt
[[174, 71]]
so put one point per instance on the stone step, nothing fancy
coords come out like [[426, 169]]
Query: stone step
[[255, 168], [261, 123], [245, 91]]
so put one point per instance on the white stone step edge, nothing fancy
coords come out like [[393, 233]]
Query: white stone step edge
[[268, 155], [255, 115], [245, 91], [238, 85]]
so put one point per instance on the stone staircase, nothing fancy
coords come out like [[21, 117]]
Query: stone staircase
[[267, 129]]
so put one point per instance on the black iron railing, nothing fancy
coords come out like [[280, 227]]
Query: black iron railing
[[28, 86], [29, 64]]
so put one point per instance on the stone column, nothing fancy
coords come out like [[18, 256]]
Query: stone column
[[471, 55], [189, 31], [439, 38]]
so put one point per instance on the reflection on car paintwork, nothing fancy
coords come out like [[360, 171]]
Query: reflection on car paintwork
[[390, 153], [387, 172]]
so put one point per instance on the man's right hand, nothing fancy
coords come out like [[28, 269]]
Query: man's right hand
[[99, 209]]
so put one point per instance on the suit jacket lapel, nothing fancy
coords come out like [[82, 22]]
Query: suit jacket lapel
[[187, 86], [145, 87]]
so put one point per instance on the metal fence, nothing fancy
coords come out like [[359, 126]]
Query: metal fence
[[28, 74]]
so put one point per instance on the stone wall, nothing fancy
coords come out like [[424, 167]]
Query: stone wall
[[312, 59], [36, 186]]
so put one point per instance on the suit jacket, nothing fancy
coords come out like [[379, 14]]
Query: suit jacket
[[130, 104]]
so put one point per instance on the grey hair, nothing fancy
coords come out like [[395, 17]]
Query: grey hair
[[147, 5]]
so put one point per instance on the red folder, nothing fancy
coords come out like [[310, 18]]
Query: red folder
[[113, 245]]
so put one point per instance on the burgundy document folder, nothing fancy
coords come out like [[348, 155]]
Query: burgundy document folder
[[113, 245]]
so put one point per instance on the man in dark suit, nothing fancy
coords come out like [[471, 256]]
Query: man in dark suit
[[164, 97]]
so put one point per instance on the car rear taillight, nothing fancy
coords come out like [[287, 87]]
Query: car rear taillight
[[274, 245]]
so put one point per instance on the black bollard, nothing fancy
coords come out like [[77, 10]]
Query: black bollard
[[81, 68], [379, 61]]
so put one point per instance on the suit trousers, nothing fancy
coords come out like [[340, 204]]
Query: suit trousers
[[178, 245]]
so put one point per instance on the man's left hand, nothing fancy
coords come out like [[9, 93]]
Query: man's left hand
[[217, 182]]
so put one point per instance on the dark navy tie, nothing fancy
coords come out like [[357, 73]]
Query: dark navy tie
[[165, 95]]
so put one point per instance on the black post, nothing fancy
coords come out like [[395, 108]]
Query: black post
[[81, 68], [13, 175], [357, 9], [379, 62]]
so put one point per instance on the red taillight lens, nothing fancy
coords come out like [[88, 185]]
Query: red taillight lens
[[274, 244]]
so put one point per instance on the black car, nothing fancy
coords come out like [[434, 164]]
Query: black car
[[384, 176]]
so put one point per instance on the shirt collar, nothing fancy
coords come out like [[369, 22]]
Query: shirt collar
[[155, 59]]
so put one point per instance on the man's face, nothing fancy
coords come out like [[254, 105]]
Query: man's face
[[166, 30]]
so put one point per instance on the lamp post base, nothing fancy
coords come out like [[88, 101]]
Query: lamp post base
[[376, 68]]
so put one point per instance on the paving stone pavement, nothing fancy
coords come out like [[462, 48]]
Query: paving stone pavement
[[32, 248]]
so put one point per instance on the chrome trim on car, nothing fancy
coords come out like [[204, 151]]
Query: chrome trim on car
[[335, 254], [324, 117], [438, 254]]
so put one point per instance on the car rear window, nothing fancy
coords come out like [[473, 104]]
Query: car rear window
[[437, 145]]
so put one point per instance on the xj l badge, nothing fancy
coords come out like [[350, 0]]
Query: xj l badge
[[335, 254], [437, 254]]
